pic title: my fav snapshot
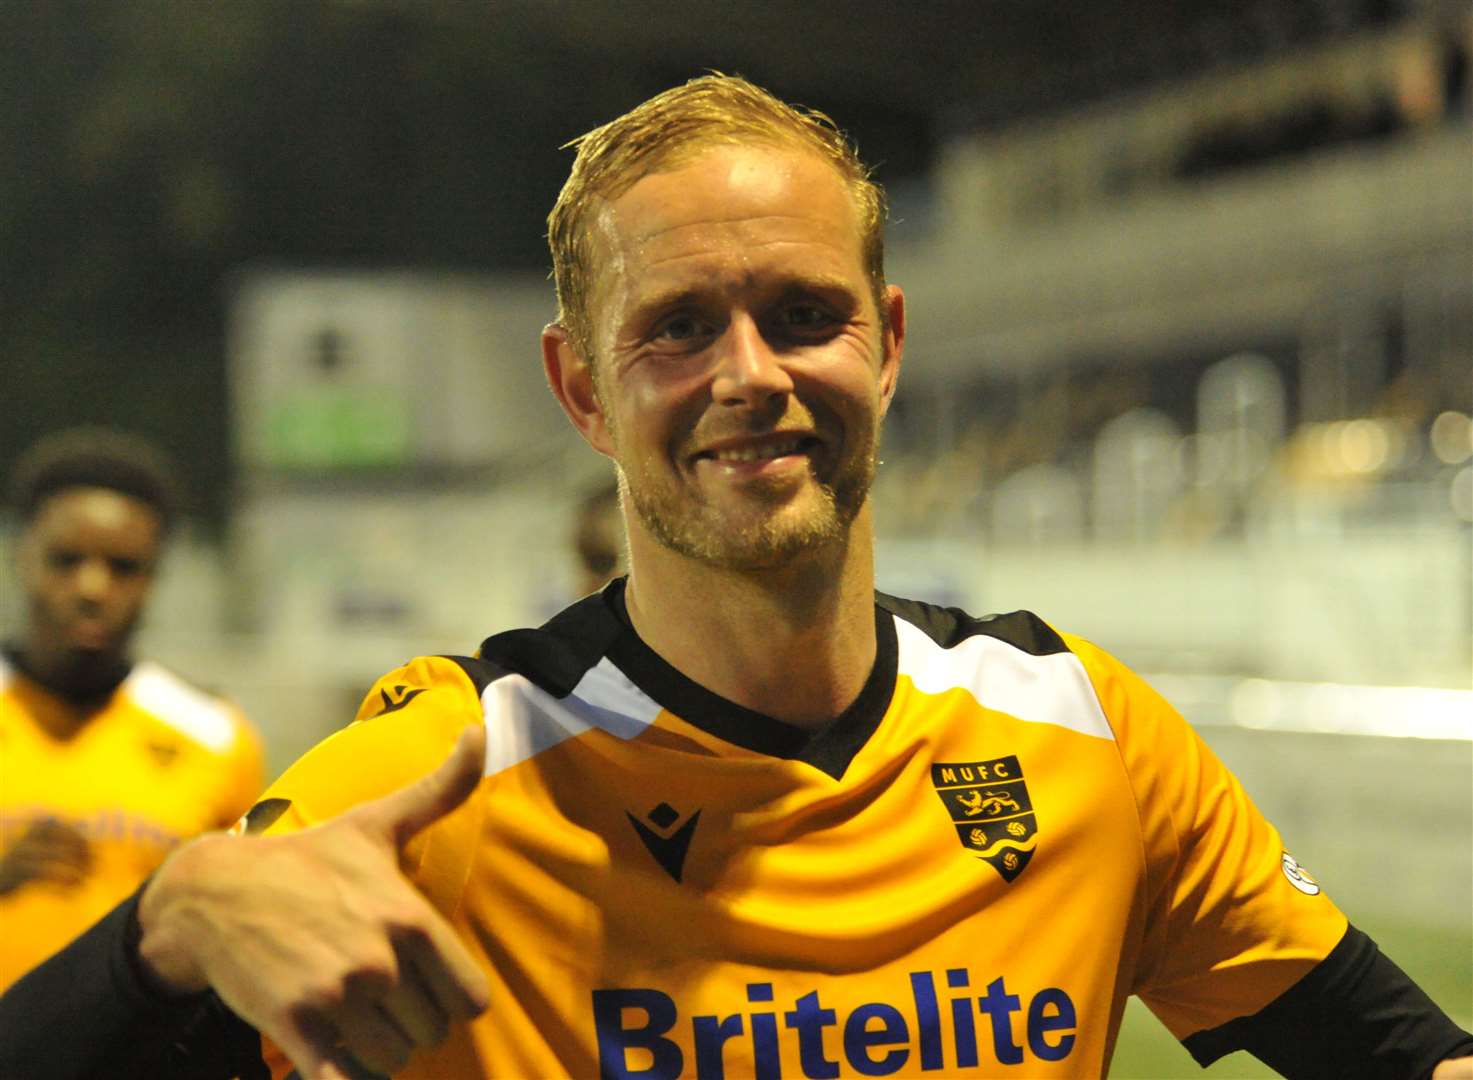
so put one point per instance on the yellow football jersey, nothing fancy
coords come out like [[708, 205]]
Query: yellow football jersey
[[966, 873], [157, 763]]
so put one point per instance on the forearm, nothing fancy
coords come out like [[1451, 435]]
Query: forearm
[[91, 1010]]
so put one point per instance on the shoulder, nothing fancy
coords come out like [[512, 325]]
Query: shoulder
[[520, 685], [452, 682], [1015, 663], [204, 718], [406, 725], [950, 626], [558, 654]]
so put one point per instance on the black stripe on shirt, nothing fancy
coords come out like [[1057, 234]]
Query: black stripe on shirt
[[949, 626], [556, 655]]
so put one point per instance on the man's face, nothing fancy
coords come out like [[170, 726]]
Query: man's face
[[740, 365], [86, 563]]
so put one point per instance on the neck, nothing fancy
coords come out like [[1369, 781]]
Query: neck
[[795, 642], [78, 678]]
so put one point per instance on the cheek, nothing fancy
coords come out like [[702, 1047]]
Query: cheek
[[48, 584], [133, 594], [850, 385], [49, 596], [654, 408], [851, 363]]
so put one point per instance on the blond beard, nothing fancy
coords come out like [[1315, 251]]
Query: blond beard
[[693, 528]]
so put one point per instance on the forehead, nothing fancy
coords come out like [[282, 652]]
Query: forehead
[[92, 512], [740, 205]]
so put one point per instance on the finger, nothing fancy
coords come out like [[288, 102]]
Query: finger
[[35, 865], [61, 847], [76, 854], [413, 1007], [412, 808], [48, 841], [312, 1048], [53, 831], [374, 1039], [443, 967], [59, 873]]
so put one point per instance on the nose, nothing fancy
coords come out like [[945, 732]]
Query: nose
[[93, 580], [749, 372]]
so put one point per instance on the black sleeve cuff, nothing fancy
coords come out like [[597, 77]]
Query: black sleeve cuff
[[1355, 1014], [72, 1015]]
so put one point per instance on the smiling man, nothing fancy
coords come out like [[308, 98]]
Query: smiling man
[[105, 764], [738, 814], [736, 370]]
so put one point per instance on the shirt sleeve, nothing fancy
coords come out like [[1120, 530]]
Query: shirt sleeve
[[1231, 921], [406, 726], [1356, 1014], [1241, 948]]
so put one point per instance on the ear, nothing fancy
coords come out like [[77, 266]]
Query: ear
[[892, 344], [571, 380]]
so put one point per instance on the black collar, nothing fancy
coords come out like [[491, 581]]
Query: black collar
[[829, 749]]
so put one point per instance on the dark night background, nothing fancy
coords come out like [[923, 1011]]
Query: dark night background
[[149, 148]]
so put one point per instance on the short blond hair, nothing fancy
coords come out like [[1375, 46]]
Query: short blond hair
[[672, 127]]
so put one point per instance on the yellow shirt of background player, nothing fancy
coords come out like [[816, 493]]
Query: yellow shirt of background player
[[158, 763]]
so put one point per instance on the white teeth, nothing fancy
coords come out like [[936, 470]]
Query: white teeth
[[758, 453]]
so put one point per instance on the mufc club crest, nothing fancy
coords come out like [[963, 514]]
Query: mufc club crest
[[990, 808]]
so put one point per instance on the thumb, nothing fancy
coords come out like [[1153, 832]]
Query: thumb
[[405, 812]]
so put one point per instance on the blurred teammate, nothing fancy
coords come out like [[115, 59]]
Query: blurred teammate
[[738, 814], [105, 763], [598, 539]]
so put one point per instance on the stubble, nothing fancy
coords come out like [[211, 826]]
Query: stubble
[[762, 537]]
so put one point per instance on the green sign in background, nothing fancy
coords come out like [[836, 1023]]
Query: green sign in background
[[340, 429]]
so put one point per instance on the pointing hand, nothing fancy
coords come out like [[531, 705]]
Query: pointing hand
[[316, 938]]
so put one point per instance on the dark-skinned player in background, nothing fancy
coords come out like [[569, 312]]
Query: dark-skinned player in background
[[106, 762]]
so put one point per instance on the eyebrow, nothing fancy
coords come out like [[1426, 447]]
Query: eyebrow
[[783, 288]]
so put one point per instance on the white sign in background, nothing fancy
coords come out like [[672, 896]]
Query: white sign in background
[[388, 369]]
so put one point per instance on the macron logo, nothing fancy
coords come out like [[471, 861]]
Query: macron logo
[[401, 697], [663, 839]]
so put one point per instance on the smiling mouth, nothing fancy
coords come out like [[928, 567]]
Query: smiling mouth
[[797, 444]]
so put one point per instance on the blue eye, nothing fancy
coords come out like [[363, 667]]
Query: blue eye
[[805, 318], [682, 332], [680, 328]]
